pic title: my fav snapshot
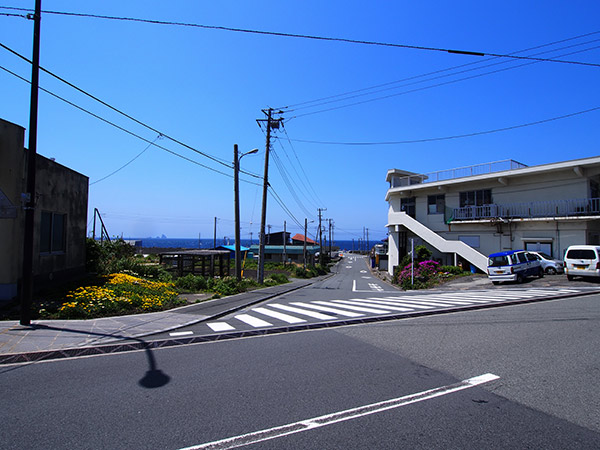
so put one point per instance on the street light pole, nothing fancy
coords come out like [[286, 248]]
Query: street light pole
[[236, 192]]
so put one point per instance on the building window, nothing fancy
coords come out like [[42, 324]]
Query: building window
[[476, 198], [408, 205], [436, 204], [52, 232]]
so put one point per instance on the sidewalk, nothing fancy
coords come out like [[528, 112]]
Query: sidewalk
[[55, 335]]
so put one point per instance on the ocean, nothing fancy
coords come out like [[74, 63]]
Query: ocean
[[208, 243]]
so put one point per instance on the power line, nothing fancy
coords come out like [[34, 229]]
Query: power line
[[307, 36], [126, 164], [283, 206], [383, 97], [396, 84], [121, 128], [316, 199], [287, 181], [206, 155], [318, 100], [445, 138]]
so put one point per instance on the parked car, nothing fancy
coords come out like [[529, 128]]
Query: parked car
[[582, 260], [513, 265], [550, 265]]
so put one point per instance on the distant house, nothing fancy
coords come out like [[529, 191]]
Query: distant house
[[299, 239], [231, 250], [470, 212], [278, 238], [291, 253], [60, 215]]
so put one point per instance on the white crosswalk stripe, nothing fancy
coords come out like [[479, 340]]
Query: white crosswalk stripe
[[305, 312], [330, 310], [277, 315], [252, 321], [343, 309], [220, 326], [336, 303]]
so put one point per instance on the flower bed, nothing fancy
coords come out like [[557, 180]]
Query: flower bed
[[121, 294], [425, 275]]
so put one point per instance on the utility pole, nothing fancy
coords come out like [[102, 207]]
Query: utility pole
[[368, 247], [269, 234], [271, 124], [27, 276], [236, 190], [321, 237], [215, 235], [304, 246], [284, 242], [330, 238]]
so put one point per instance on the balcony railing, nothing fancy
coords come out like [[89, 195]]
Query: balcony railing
[[551, 208], [468, 171]]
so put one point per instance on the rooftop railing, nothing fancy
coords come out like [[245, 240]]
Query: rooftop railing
[[459, 172], [550, 208]]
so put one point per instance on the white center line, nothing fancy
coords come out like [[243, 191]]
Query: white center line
[[342, 416]]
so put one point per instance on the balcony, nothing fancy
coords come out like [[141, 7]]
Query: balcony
[[459, 172], [530, 210]]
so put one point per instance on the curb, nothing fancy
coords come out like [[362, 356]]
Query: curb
[[15, 358], [23, 358]]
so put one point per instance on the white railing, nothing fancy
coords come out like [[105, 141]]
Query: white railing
[[459, 172], [550, 208]]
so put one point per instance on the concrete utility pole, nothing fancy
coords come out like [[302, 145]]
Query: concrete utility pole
[[304, 246], [27, 275], [321, 236], [236, 190], [271, 124], [330, 238], [284, 242], [215, 235]]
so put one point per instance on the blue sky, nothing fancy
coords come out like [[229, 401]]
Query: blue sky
[[207, 87]]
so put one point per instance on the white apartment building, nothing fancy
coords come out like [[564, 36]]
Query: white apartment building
[[470, 212]]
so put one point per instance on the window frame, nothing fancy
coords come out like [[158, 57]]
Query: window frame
[[53, 233], [438, 202]]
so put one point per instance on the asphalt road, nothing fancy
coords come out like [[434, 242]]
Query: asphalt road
[[353, 295], [545, 355]]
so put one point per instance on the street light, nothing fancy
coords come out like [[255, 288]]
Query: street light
[[236, 191]]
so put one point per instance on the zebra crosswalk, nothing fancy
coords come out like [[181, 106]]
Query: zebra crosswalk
[[303, 312]]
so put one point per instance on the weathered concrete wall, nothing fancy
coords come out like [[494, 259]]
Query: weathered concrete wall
[[12, 217], [59, 190]]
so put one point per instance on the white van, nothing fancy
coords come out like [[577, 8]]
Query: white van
[[582, 260]]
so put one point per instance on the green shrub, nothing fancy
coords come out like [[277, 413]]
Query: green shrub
[[191, 283]]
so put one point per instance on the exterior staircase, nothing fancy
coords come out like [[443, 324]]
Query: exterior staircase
[[438, 242]]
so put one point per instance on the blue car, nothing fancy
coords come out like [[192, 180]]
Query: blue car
[[513, 265]]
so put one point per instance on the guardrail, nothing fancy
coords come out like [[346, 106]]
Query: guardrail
[[459, 172], [550, 208]]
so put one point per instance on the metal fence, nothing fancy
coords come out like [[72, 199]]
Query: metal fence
[[459, 172], [551, 208]]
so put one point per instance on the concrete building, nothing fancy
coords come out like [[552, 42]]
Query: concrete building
[[467, 213], [60, 215]]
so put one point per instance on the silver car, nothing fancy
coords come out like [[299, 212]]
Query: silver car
[[550, 265]]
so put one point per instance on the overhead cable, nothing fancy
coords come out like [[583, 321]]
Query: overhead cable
[[123, 129], [445, 138], [307, 36], [206, 155]]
